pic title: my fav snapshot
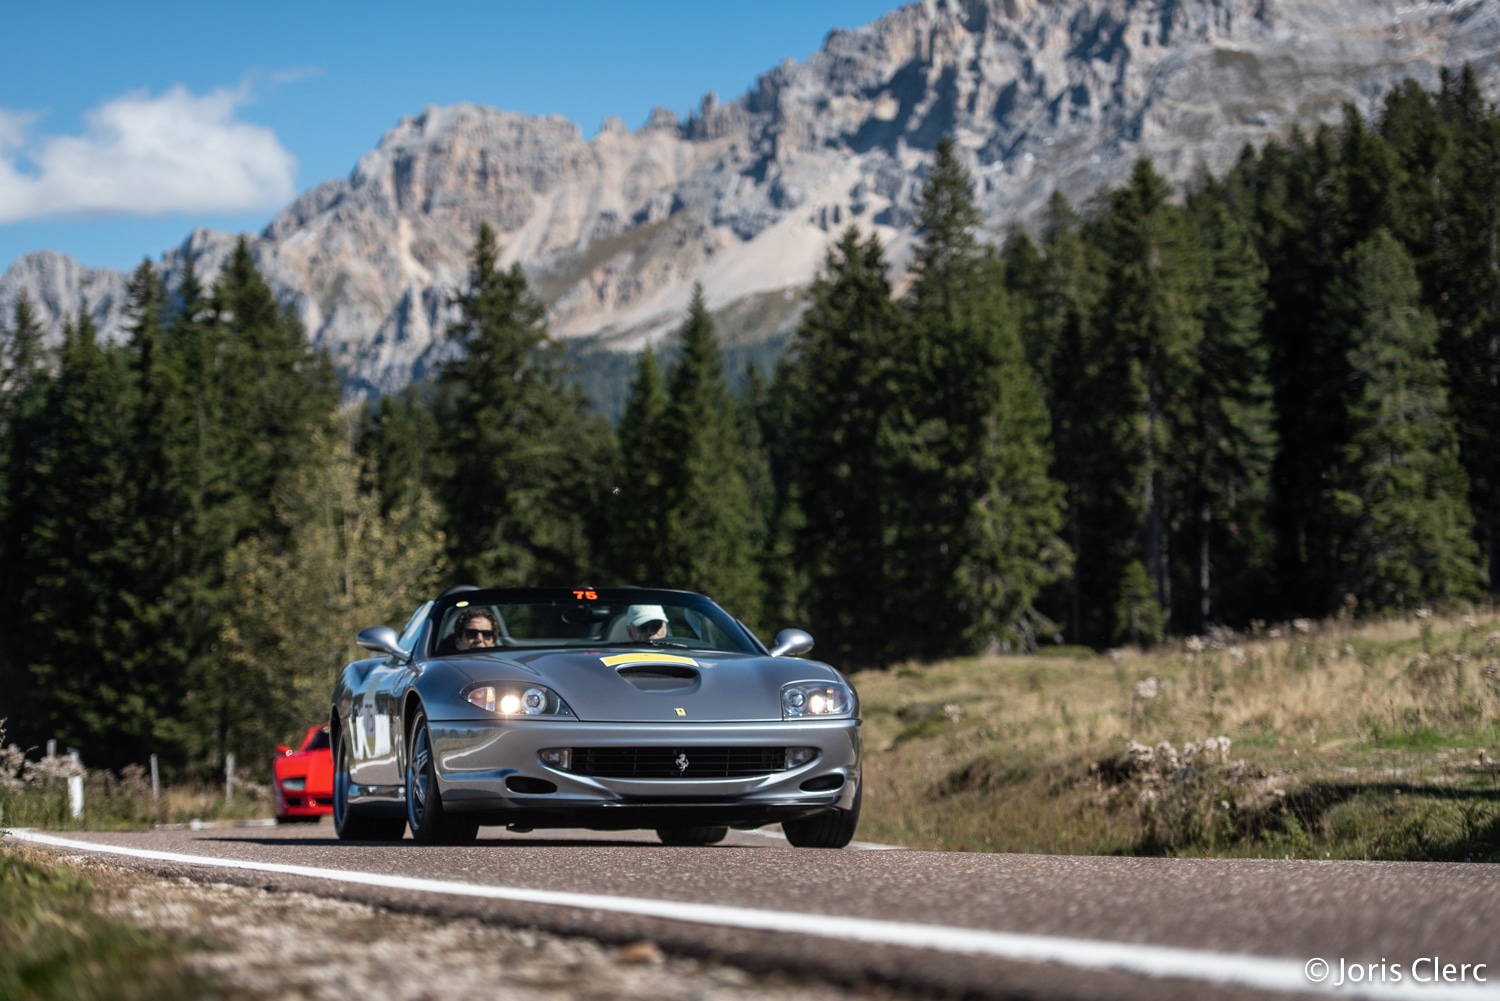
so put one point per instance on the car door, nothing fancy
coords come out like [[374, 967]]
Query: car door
[[376, 714]]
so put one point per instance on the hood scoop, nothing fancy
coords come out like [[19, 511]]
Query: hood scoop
[[660, 677]]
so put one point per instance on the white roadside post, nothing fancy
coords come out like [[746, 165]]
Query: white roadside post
[[228, 776], [155, 780], [75, 785]]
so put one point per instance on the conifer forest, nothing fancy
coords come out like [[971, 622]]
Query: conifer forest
[[1268, 394]]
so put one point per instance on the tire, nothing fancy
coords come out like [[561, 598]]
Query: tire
[[348, 823], [430, 824], [831, 829], [692, 835]]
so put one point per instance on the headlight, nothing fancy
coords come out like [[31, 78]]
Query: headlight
[[815, 698], [518, 700], [294, 785]]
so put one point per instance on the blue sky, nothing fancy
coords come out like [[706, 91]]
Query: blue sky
[[124, 126]]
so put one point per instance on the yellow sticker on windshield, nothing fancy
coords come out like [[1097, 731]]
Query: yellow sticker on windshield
[[647, 658]]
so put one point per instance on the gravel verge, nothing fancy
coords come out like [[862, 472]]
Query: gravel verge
[[301, 947]]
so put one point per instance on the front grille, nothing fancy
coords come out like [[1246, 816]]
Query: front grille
[[678, 762]]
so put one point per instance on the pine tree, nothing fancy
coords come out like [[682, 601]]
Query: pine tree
[[1149, 331], [258, 392], [1233, 439], [1461, 278], [1057, 299], [843, 356], [1029, 280], [711, 535], [24, 389], [1138, 613], [1302, 236], [273, 388], [399, 439], [784, 576], [162, 458], [638, 507], [523, 457], [1404, 488], [975, 515], [79, 620], [749, 406]]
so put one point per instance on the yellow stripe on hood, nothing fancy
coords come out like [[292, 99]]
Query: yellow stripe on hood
[[647, 658]]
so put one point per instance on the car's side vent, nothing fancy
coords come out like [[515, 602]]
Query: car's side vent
[[660, 677]]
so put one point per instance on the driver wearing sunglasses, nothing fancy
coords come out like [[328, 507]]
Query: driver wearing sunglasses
[[475, 630]]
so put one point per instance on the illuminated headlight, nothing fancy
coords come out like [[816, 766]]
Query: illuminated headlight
[[518, 700], [556, 757], [809, 698], [294, 785]]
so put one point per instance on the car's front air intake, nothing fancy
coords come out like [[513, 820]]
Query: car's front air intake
[[678, 762]]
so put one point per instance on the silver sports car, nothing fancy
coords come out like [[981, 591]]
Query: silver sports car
[[603, 708]]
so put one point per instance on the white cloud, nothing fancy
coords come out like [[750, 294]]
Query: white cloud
[[144, 155]]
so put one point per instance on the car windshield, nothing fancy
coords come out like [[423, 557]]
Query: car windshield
[[586, 617]]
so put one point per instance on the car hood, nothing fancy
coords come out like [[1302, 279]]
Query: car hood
[[642, 684], [300, 762]]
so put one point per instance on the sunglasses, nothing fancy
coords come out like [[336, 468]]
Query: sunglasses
[[479, 634], [651, 627]]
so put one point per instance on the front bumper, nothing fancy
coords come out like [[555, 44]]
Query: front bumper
[[313, 803], [494, 769]]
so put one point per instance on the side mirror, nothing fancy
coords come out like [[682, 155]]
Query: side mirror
[[382, 639], [791, 643], [283, 750]]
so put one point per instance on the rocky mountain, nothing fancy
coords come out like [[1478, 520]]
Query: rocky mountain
[[744, 196]]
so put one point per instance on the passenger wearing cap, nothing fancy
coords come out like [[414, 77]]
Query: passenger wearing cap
[[646, 623]]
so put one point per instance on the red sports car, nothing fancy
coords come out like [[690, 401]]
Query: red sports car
[[304, 778]]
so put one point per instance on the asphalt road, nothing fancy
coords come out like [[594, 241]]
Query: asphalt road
[[953, 923]]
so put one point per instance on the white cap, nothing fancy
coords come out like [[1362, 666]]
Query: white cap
[[639, 615]]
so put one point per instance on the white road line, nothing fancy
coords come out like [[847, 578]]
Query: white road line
[[1258, 972]]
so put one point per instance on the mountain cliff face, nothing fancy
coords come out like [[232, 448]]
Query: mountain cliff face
[[1041, 95]]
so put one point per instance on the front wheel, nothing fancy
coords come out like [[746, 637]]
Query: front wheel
[[430, 823], [832, 829], [692, 835], [348, 823]]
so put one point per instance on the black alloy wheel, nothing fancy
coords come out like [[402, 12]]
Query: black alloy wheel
[[348, 823], [430, 823], [692, 835], [831, 829]]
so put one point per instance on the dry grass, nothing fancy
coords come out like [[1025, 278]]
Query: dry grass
[[1346, 740], [33, 793]]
